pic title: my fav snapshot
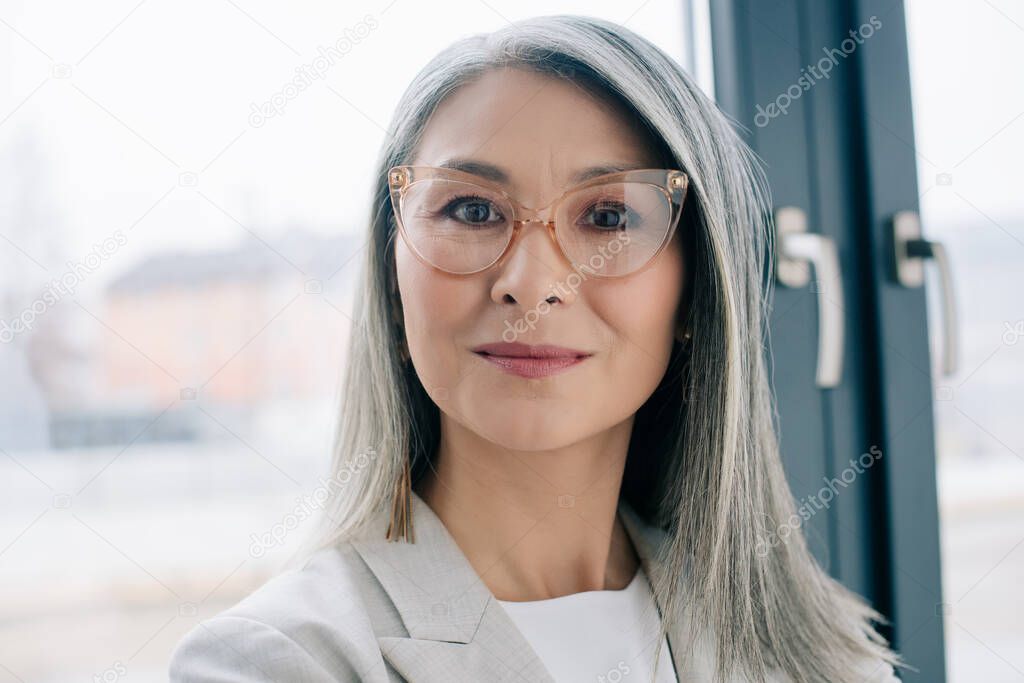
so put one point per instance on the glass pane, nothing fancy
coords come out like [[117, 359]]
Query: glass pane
[[967, 116]]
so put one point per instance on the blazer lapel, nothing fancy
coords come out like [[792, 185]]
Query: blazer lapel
[[458, 632], [650, 541]]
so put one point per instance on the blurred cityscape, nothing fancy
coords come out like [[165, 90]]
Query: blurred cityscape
[[176, 325]]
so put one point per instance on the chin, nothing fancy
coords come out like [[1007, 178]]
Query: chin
[[528, 431]]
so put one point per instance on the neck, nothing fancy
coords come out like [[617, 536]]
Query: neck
[[534, 524]]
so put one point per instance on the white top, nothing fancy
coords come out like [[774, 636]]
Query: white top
[[603, 636]]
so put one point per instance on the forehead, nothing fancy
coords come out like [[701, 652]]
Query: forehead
[[539, 130]]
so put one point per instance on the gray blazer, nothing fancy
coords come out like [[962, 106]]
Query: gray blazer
[[378, 611]]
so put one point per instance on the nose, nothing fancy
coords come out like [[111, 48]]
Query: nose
[[533, 270]]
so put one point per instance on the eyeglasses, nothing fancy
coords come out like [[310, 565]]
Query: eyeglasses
[[611, 225]]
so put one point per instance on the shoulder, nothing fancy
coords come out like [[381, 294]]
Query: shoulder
[[307, 624], [228, 648]]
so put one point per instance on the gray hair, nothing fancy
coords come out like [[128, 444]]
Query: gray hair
[[703, 462]]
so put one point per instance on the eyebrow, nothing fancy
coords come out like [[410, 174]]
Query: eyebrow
[[496, 174]]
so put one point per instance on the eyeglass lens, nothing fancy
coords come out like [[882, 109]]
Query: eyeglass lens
[[612, 228]]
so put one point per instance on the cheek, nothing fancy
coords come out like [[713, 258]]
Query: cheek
[[641, 310], [437, 308]]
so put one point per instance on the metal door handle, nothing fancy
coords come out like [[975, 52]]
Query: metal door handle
[[910, 250], [796, 250]]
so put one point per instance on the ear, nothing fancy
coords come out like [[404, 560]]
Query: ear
[[681, 332], [682, 320]]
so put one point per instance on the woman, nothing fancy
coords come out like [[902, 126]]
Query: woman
[[555, 459]]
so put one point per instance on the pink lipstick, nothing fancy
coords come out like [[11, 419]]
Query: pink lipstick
[[530, 361]]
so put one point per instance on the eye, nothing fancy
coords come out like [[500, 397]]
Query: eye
[[609, 215], [473, 210]]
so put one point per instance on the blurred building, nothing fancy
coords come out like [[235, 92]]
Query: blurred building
[[241, 331]]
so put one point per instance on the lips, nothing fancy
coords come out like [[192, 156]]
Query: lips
[[517, 350], [529, 361]]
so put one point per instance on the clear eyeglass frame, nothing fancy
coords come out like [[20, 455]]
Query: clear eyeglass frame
[[672, 183]]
